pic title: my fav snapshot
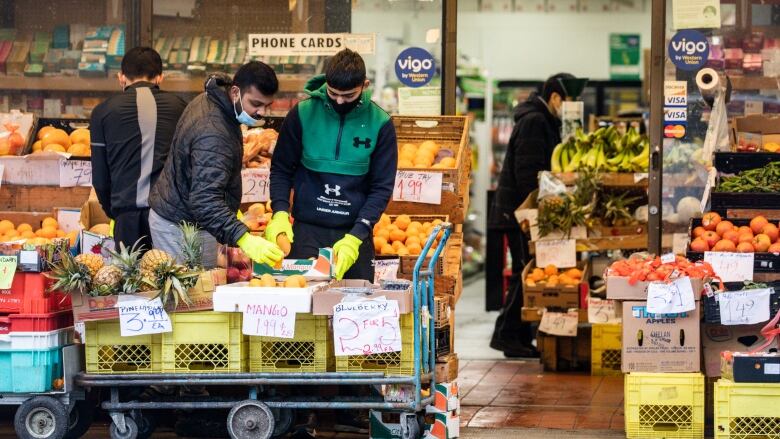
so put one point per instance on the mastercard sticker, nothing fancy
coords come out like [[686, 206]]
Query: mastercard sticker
[[674, 131]]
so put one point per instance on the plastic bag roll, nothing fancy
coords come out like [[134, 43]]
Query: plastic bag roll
[[708, 82]]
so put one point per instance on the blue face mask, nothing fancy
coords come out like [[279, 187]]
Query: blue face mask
[[244, 117]]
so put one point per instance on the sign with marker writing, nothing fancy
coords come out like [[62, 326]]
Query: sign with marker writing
[[386, 269], [671, 298], [142, 316], [366, 327], [602, 311], [255, 185], [75, 173], [560, 323], [668, 258], [561, 253], [731, 267], [744, 307], [7, 270], [418, 187], [270, 315]]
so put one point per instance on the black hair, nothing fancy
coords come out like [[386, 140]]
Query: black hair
[[345, 70], [554, 85], [141, 62], [258, 74]]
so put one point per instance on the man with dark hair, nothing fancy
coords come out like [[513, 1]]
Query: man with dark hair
[[537, 131], [201, 181], [130, 135], [338, 151]]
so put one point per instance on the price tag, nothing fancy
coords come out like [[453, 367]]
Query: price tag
[[744, 307], [142, 316], [560, 323], [640, 176], [672, 298], [69, 219], [705, 196], [680, 242], [7, 270], [668, 258], [75, 173], [561, 253], [731, 267], [270, 316], [366, 327], [418, 187], [602, 311], [386, 269], [754, 107], [255, 184]]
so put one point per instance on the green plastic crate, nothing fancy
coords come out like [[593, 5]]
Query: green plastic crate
[[29, 370], [310, 351], [107, 352], [605, 349], [747, 410], [391, 363], [204, 342], [664, 405]]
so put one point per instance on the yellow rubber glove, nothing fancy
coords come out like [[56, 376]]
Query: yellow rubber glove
[[111, 225], [280, 223], [346, 250], [240, 216], [260, 250]]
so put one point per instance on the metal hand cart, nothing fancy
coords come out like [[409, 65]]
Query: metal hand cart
[[262, 414]]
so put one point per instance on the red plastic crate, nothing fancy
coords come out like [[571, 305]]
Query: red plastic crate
[[29, 294], [11, 300], [37, 322]]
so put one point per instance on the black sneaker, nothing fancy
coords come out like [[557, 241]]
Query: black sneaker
[[521, 352], [350, 422]]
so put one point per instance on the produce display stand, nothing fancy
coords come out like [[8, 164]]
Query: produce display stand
[[257, 415]]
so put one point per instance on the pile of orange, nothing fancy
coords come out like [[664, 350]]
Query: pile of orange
[[49, 230], [402, 237], [550, 276], [51, 139], [423, 155]]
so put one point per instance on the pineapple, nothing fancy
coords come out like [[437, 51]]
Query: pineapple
[[153, 259], [107, 280], [92, 261], [174, 282], [69, 275], [126, 260], [191, 246]]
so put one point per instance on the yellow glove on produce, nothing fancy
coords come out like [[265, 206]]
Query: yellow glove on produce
[[111, 225], [260, 250], [239, 215], [346, 250], [280, 223]]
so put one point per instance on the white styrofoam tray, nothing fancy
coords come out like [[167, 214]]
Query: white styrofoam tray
[[234, 297], [37, 340]]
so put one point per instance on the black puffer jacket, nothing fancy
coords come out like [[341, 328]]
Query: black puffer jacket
[[535, 135], [201, 181]]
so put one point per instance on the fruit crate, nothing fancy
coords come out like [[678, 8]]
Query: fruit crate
[[30, 370], [559, 296], [452, 133], [442, 310], [36, 322], [30, 294], [763, 262], [391, 363], [107, 352], [204, 341], [732, 162], [664, 405], [407, 263], [442, 337], [605, 349], [37, 340], [744, 410], [712, 306], [310, 351], [66, 124], [723, 202]]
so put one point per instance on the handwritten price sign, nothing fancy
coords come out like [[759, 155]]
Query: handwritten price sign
[[255, 185], [560, 323], [269, 319], [75, 173], [366, 327], [731, 267], [418, 187], [744, 307], [601, 311], [142, 316], [7, 270], [673, 298], [386, 269]]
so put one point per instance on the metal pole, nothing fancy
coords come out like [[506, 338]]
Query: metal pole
[[657, 57], [449, 54]]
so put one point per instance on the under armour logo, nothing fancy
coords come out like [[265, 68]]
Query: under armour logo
[[333, 190], [356, 142]]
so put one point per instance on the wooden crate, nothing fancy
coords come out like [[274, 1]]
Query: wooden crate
[[529, 314], [563, 354], [41, 198], [451, 132], [447, 368], [560, 296]]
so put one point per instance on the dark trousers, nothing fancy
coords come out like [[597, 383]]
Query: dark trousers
[[309, 238], [131, 226], [509, 328]]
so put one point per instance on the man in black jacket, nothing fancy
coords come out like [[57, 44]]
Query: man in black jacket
[[131, 134], [537, 131], [201, 181]]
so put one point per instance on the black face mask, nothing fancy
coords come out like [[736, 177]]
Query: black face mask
[[345, 107]]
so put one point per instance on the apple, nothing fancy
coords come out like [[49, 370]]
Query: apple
[[245, 274], [711, 237], [698, 231], [723, 227], [761, 242], [700, 245], [745, 247], [757, 224], [710, 220], [774, 248], [771, 231], [732, 235], [233, 275], [724, 245]]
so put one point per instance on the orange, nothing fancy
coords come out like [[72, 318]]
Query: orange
[[27, 234], [5, 226], [80, 150], [379, 242], [80, 135], [551, 270], [412, 230], [47, 232], [56, 136], [50, 222], [60, 233], [414, 249], [412, 239], [416, 224], [37, 146], [53, 147], [23, 227], [44, 131], [398, 235], [403, 251], [436, 222], [403, 221], [397, 244], [383, 233], [384, 219], [387, 249], [11, 234]]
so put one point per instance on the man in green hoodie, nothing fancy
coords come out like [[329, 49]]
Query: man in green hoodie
[[338, 151]]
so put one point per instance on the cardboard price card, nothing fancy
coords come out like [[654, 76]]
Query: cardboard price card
[[671, 298], [418, 187], [731, 267], [7, 270], [744, 307], [602, 311], [366, 327], [255, 184], [270, 316], [75, 173], [142, 316], [561, 253], [560, 323], [386, 269]]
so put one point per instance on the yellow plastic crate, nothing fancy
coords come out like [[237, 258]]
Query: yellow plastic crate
[[747, 410], [605, 346], [391, 363], [204, 342], [664, 405], [310, 351], [107, 352]]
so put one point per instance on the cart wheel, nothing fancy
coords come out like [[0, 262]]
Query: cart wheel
[[250, 419], [41, 418], [145, 422], [283, 421], [131, 430], [410, 426], [81, 416]]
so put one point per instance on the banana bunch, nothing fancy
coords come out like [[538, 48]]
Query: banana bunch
[[604, 150]]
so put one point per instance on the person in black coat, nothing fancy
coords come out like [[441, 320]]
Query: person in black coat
[[537, 131]]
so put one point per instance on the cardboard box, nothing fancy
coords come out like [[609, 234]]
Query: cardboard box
[[92, 214], [312, 269], [236, 296], [718, 338], [447, 368], [619, 288], [660, 342], [104, 307], [751, 368], [755, 131], [561, 296], [445, 397], [528, 314], [565, 353], [324, 300], [32, 170], [381, 428]]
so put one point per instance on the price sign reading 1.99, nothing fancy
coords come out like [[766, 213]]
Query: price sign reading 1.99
[[418, 187]]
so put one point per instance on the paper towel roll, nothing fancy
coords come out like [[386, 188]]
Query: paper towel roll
[[708, 82]]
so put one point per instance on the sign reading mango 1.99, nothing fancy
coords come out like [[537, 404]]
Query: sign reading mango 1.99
[[415, 67]]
